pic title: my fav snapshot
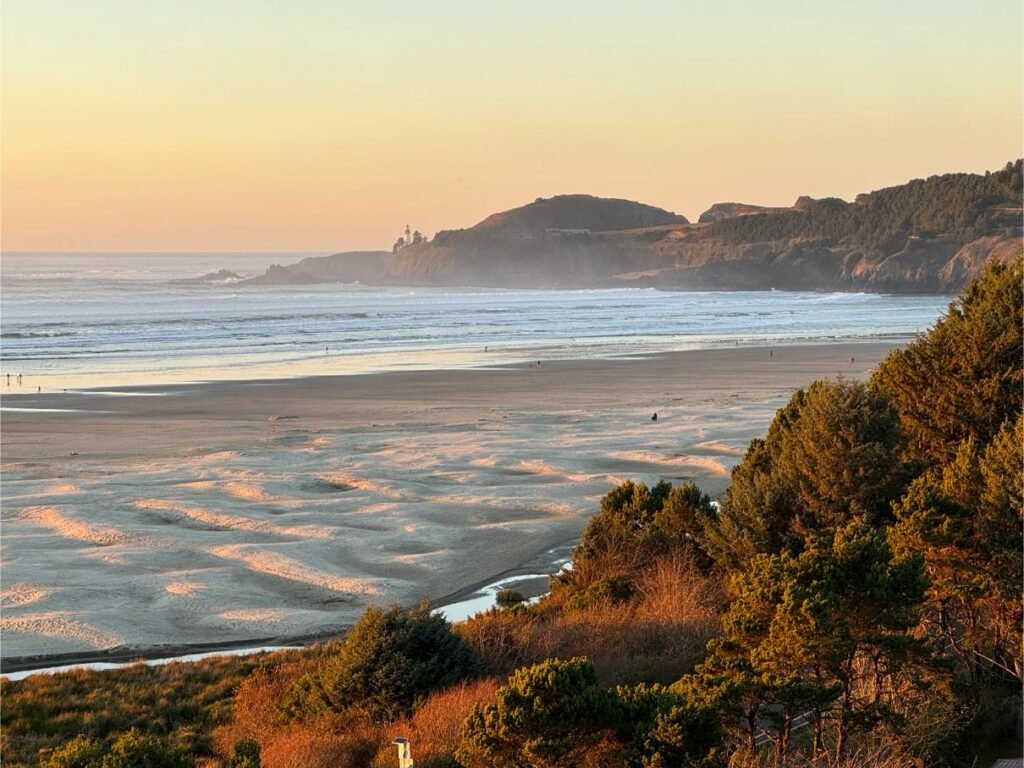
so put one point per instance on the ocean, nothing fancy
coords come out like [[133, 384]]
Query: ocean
[[78, 321]]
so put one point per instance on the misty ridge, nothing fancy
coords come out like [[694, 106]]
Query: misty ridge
[[926, 236]]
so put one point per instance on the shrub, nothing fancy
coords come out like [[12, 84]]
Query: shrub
[[387, 663]]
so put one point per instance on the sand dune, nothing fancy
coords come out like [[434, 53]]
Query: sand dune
[[260, 616], [23, 594], [249, 492], [58, 625], [70, 528], [718, 447], [540, 467], [703, 463], [342, 479], [234, 522], [184, 588], [274, 564]]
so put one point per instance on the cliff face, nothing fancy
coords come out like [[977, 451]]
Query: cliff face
[[927, 236]]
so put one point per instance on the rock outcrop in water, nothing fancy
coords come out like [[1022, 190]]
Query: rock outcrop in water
[[927, 236]]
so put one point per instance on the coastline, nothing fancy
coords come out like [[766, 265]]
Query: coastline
[[172, 653], [278, 509]]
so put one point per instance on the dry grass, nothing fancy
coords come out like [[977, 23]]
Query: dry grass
[[655, 637], [434, 729]]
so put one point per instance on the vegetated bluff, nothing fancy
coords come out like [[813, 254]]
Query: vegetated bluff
[[926, 236]]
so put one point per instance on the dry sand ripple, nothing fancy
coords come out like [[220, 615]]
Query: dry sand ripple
[[275, 564], [70, 528], [58, 625], [234, 522], [23, 594]]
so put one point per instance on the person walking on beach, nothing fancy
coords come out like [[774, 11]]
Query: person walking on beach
[[8, 379], [655, 416]]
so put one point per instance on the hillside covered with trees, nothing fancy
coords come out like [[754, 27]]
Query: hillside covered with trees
[[929, 235], [853, 600]]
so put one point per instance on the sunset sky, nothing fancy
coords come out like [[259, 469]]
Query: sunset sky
[[319, 125]]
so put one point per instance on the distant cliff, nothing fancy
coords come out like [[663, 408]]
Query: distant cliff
[[927, 236], [349, 267]]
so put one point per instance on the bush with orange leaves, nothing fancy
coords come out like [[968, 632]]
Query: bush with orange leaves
[[329, 742], [434, 728], [655, 634]]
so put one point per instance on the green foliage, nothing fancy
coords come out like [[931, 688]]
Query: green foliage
[[828, 629], [508, 598], [556, 714], [80, 752], [546, 717], [246, 754], [182, 702], [963, 379], [130, 750], [965, 519], [388, 661], [637, 523], [138, 750], [617, 588], [666, 728], [831, 454], [956, 207]]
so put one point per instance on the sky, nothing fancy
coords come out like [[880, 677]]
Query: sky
[[326, 125]]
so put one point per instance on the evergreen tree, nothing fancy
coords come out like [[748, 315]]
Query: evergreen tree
[[823, 635], [963, 379], [388, 661], [831, 454]]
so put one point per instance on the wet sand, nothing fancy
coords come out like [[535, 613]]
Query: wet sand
[[197, 515]]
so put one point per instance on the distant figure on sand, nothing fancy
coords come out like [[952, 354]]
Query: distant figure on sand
[[8, 379], [325, 350], [655, 416], [771, 353], [38, 390], [851, 359]]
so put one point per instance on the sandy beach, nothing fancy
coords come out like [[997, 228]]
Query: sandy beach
[[217, 513]]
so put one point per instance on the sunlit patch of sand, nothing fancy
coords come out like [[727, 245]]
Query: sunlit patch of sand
[[248, 492], [110, 558], [417, 557], [718, 446], [537, 467], [69, 528], [711, 466], [283, 567], [345, 478], [219, 456], [63, 489], [485, 461], [317, 442], [59, 625], [265, 616], [23, 594], [409, 457], [234, 522], [200, 485], [704, 463], [184, 588]]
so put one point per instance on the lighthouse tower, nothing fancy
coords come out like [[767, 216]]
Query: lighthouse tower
[[408, 235]]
